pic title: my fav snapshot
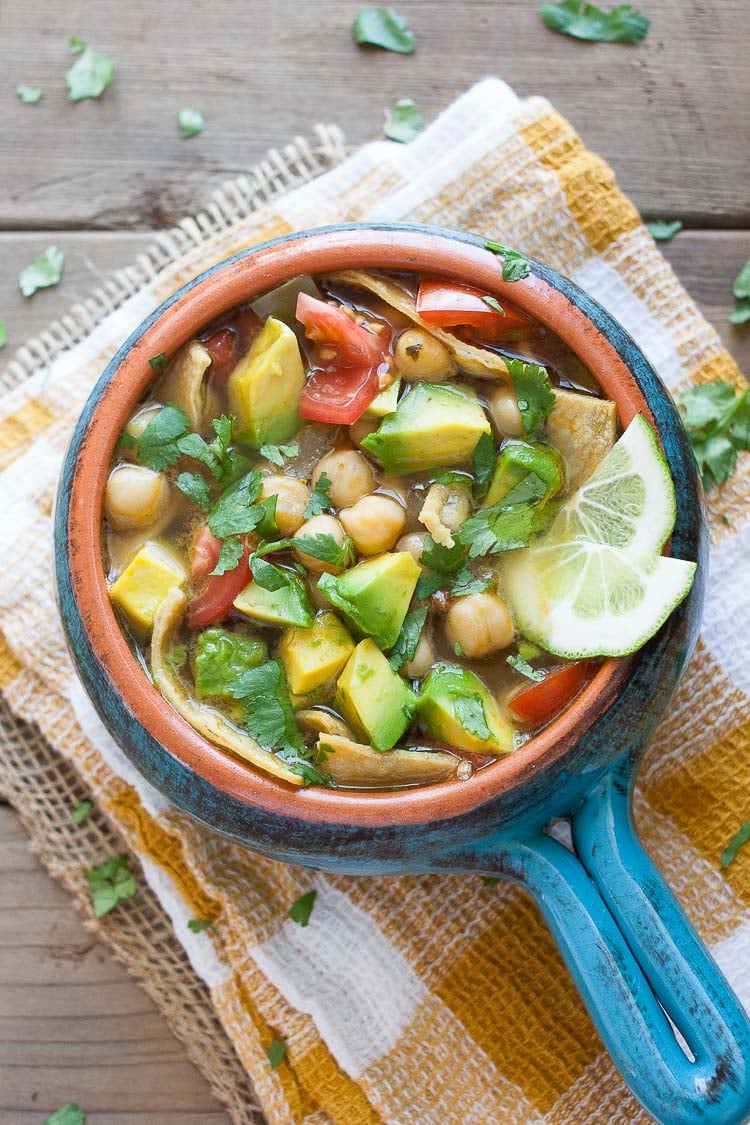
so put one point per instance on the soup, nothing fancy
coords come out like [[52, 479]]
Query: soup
[[305, 521]]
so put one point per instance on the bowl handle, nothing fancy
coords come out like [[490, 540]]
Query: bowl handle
[[635, 958]]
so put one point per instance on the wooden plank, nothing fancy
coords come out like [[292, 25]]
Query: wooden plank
[[706, 262], [671, 114], [73, 1025]]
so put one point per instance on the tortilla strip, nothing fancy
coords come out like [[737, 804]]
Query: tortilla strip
[[584, 429], [352, 763], [184, 385], [206, 721], [475, 361]]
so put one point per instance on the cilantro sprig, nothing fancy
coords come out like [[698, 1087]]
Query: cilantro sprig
[[623, 24], [325, 548], [90, 75], [44, 271], [319, 501], [236, 512], [717, 419], [511, 522], [383, 27], [276, 1052], [521, 665], [302, 908], [662, 230], [68, 1114], [408, 639], [741, 289], [404, 122], [278, 454], [110, 883], [469, 711], [536, 399]]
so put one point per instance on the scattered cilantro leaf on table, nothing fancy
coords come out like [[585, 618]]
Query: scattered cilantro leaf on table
[[110, 883], [325, 548], [29, 95], [302, 908], [408, 639], [90, 75], [236, 512], [404, 122], [195, 487], [741, 290], [623, 24], [740, 838], [229, 555], [75, 45], [68, 1114], [81, 812], [44, 271], [535, 395], [198, 925], [661, 230], [277, 454], [319, 501], [717, 419], [383, 27], [515, 266], [190, 122], [524, 668], [469, 711], [3, 334], [276, 1053]]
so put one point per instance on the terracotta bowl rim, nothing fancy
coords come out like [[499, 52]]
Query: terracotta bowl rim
[[549, 297]]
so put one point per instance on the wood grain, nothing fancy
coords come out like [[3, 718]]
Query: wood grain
[[672, 115]]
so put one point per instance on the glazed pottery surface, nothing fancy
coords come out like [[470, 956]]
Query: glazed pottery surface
[[631, 950]]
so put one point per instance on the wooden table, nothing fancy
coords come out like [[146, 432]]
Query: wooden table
[[671, 115]]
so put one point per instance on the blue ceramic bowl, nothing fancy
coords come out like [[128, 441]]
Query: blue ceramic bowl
[[639, 965]]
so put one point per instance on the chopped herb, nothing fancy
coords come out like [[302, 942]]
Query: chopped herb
[[278, 453], [229, 555], [325, 548], [75, 45], [157, 445], [492, 880], [44, 271], [741, 314], [89, 75], [458, 648], [740, 838], [109, 883], [494, 304], [403, 123], [465, 582], [236, 512], [216, 455], [69, 1114], [302, 908], [662, 230], [383, 27], [3, 334], [449, 477], [413, 350], [276, 1053], [524, 668], [81, 811], [585, 21], [511, 522], [717, 418], [29, 95], [483, 459], [724, 520], [156, 363], [269, 717], [35, 1095], [191, 123], [535, 395], [515, 266], [319, 501], [741, 290], [441, 564], [198, 925], [269, 576], [408, 639], [469, 711], [195, 487]]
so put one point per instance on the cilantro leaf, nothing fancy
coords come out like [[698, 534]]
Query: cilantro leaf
[[483, 459], [585, 21], [157, 445], [465, 582], [661, 230], [717, 419], [494, 304], [319, 501], [229, 555], [89, 75], [156, 363], [741, 286], [269, 717], [195, 487], [510, 523], [68, 1114], [110, 883], [216, 455], [535, 395], [276, 454], [190, 122], [44, 271], [236, 512], [404, 122], [302, 908], [408, 639], [29, 95], [492, 880], [325, 548], [740, 838], [269, 576], [515, 266], [383, 27], [75, 45], [469, 711], [198, 925], [81, 811], [524, 668], [440, 563], [740, 315], [276, 1052], [3, 334]]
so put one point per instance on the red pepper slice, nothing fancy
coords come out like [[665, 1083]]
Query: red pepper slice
[[541, 702]]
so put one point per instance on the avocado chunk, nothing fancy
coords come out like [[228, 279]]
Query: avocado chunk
[[373, 698], [221, 655], [384, 403], [433, 425], [265, 386], [288, 606], [311, 657], [145, 583], [456, 707], [351, 763], [519, 458], [374, 596], [584, 429]]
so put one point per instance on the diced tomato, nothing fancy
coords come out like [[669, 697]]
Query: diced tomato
[[221, 590], [204, 553], [450, 305], [541, 702], [340, 390]]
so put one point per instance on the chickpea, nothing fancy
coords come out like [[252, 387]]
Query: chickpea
[[361, 429], [480, 623], [419, 355], [350, 474], [422, 660], [291, 500], [135, 497], [505, 413], [374, 523], [413, 543], [319, 525]]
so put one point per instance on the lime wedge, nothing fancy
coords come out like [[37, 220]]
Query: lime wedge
[[596, 584]]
